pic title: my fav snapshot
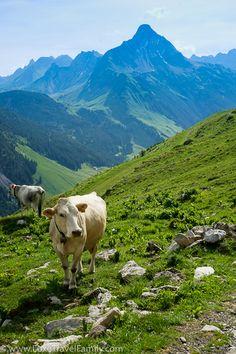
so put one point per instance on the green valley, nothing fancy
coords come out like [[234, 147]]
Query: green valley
[[52, 176]]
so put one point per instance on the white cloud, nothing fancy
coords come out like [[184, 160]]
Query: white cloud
[[185, 49], [157, 12]]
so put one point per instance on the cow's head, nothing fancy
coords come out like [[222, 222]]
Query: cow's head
[[12, 189], [68, 217]]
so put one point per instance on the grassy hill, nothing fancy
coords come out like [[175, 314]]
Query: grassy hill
[[54, 177], [185, 181]]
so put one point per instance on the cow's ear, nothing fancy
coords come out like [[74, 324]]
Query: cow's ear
[[49, 212], [81, 207]]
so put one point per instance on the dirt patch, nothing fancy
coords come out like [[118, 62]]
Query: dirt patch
[[198, 342]]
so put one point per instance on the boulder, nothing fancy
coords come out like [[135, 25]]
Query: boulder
[[209, 328], [54, 300], [97, 331], [132, 304], [107, 255], [183, 240], [214, 235], [68, 324], [56, 345], [96, 311], [200, 230], [94, 294], [131, 269], [201, 272], [108, 318], [104, 298], [198, 242]]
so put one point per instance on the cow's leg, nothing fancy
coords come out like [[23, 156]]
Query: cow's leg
[[65, 266], [92, 263], [80, 266], [76, 264]]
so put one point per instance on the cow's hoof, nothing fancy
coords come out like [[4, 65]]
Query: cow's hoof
[[92, 271], [65, 284]]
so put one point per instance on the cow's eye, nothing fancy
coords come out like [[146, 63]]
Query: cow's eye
[[62, 215]]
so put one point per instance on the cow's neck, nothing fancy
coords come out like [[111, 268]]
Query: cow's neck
[[62, 235]]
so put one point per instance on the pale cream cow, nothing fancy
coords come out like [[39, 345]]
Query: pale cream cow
[[77, 224]]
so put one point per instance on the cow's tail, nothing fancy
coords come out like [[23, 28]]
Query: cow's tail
[[40, 203]]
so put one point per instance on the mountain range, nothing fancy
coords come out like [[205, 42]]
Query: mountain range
[[103, 109], [226, 59]]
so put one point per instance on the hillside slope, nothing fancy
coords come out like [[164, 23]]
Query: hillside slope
[[226, 59], [188, 180]]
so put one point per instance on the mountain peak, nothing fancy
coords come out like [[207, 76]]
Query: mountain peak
[[145, 31]]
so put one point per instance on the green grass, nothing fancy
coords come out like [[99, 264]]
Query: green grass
[[54, 177], [187, 180]]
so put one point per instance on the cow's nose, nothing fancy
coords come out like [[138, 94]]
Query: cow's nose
[[76, 233]]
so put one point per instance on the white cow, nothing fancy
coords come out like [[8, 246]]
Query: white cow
[[28, 196], [77, 224]]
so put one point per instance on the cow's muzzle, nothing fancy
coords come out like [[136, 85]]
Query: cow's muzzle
[[76, 233]]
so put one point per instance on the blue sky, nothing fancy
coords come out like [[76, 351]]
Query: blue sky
[[34, 28]]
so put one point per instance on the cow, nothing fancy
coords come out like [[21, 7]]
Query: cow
[[28, 196], [77, 224]]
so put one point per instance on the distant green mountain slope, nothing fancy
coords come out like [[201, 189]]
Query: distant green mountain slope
[[52, 176]]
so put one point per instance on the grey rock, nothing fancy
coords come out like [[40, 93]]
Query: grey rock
[[93, 294], [7, 323], [183, 340], [108, 318], [200, 230], [201, 272], [173, 247], [198, 242], [107, 255], [171, 274], [131, 269], [44, 266], [185, 240], [3, 349], [214, 235], [67, 324], [132, 304], [96, 311], [97, 331], [209, 328], [54, 300], [232, 350], [104, 298], [164, 287], [21, 222], [147, 294], [142, 312], [233, 331], [56, 345]]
